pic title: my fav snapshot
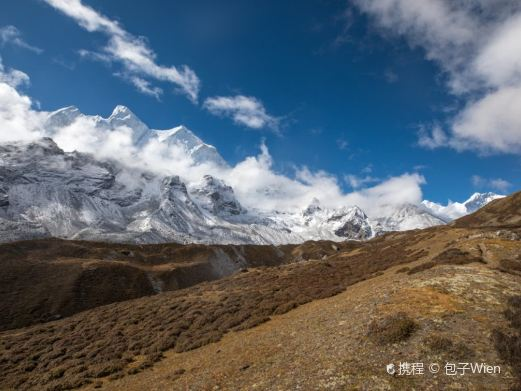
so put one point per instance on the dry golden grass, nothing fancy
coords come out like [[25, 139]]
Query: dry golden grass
[[125, 338], [451, 256], [44, 280]]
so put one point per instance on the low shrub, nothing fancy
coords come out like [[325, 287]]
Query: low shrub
[[392, 329]]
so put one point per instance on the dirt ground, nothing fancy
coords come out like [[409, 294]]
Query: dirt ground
[[324, 345]]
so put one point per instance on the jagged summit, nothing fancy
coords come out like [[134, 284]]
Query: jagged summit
[[313, 207], [454, 210], [198, 150], [123, 117], [478, 200], [498, 212], [60, 118], [217, 197], [121, 111]]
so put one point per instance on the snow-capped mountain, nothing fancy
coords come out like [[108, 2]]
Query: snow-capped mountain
[[123, 117], [406, 217], [454, 210], [45, 191]]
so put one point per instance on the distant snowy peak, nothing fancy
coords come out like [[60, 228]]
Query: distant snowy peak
[[180, 134], [216, 197], [479, 200], [313, 208], [406, 217], [122, 112], [123, 117], [61, 118], [198, 150], [349, 222], [454, 210]]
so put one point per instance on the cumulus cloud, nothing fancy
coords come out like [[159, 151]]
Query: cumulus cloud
[[492, 123], [12, 77], [432, 138], [398, 190], [142, 85], [10, 35], [133, 53], [476, 43], [244, 110], [497, 184], [272, 190], [356, 181], [18, 121]]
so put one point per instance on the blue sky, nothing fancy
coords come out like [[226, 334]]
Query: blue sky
[[347, 93]]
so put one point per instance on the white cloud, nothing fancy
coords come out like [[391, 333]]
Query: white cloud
[[497, 184], [271, 190], [499, 60], [398, 190], [477, 45], [356, 181], [12, 77], [11, 35], [133, 53], [95, 56], [500, 185], [244, 110], [18, 121], [490, 124], [433, 139], [143, 85]]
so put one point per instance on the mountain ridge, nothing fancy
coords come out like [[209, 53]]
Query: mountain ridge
[[45, 191]]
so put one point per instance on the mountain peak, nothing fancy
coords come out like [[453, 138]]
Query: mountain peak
[[313, 207], [61, 118], [121, 111], [477, 196], [177, 133], [478, 200]]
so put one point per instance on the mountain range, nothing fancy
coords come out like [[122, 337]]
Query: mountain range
[[47, 192]]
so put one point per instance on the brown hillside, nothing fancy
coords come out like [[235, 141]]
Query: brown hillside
[[49, 279]]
